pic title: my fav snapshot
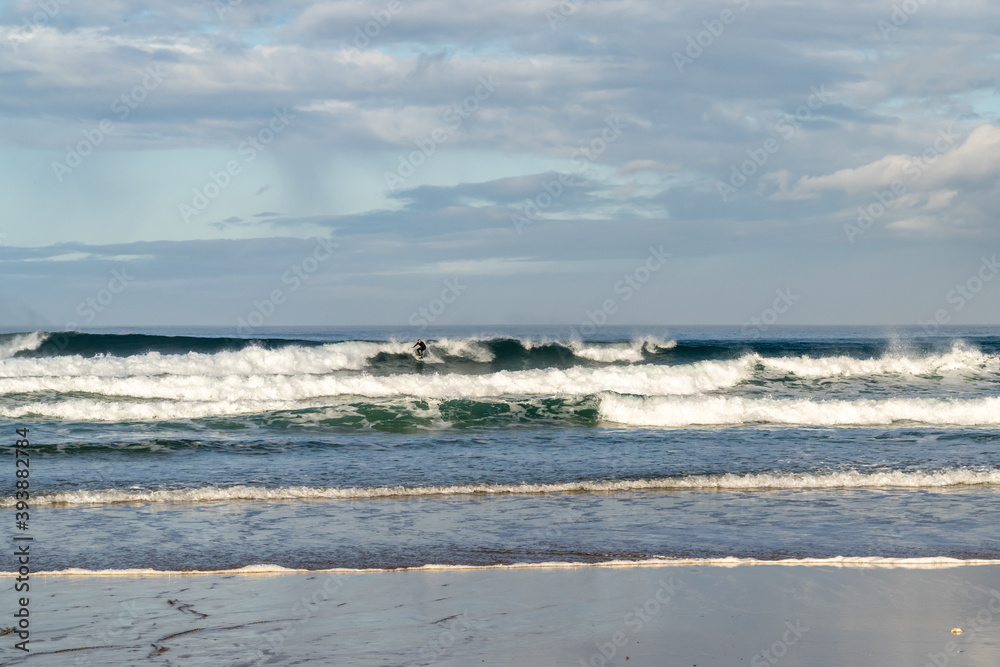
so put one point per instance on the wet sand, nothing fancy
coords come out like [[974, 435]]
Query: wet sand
[[660, 615]]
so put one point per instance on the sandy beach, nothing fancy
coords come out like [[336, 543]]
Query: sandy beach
[[378, 333], [594, 615]]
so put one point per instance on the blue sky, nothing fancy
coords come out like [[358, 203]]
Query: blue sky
[[535, 152]]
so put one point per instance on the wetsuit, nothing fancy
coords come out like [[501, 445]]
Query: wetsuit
[[421, 348]]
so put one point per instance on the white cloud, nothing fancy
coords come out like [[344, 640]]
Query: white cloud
[[935, 189], [943, 160]]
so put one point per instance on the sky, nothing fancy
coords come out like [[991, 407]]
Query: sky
[[440, 162]]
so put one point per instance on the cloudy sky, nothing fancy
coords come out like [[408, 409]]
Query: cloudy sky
[[532, 161]]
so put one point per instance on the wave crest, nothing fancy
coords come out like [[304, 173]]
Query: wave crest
[[194, 396], [961, 358], [850, 479], [11, 344], [668, 411]]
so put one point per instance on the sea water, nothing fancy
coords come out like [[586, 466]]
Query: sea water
[[194, 449]]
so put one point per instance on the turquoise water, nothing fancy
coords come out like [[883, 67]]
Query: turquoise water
[[337, 448]]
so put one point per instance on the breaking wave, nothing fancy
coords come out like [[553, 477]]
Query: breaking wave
[[850, 479], [731, 410]]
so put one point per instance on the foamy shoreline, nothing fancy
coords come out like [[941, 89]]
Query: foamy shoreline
[[837, 561], [848, 479]]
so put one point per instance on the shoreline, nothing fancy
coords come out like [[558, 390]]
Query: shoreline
[[853, 562]]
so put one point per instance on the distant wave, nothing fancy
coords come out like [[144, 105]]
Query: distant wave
[[39, 355], [11, 344], [249, 359], [261, 353], [729, 482]]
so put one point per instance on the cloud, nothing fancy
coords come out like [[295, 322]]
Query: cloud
[[429, 211], [936, 189], [367, 90], [972, 163], [649, 165]]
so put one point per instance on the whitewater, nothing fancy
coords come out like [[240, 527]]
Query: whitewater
[[323, 448], [637, 382]]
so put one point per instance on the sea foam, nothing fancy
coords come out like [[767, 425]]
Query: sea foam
[[849, 479], [666, 411]]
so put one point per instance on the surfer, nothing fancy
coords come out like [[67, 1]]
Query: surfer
[[421, 349]]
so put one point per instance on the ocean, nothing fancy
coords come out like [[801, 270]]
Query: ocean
[[180, 449]]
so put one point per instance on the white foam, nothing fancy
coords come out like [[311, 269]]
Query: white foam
[[172, 396], [255, 380], [22, 342], [850, 479], [126, 411], [669, 411], [357, 355], [607, 353], [262, 568], [930, 562], [631, 352], [253, 360], [861, 562], [960, 359], [258, 361]]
